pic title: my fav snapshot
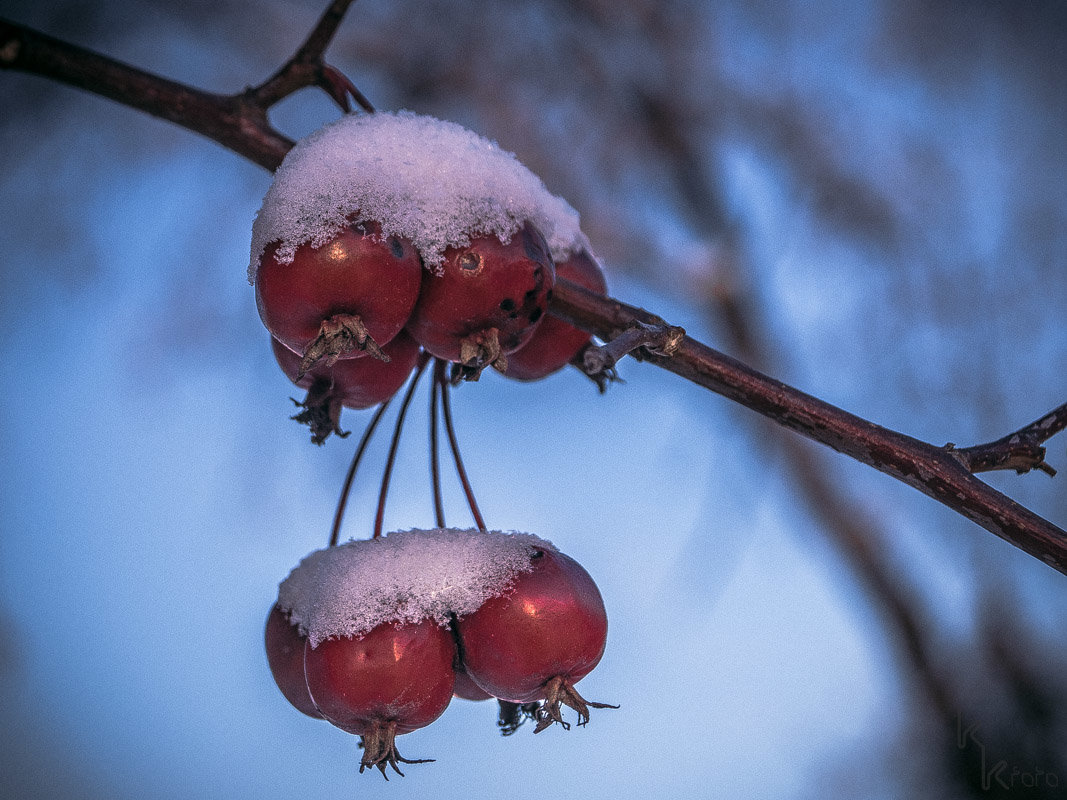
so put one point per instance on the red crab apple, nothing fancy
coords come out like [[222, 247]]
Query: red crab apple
[[486, 302], [349, 383], [556, 342], [539, 639], [466, 689], [285, 655], [346, 298], [392, 680]]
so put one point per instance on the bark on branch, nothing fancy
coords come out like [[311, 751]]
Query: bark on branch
[[234, 121], [239, 122], [307, 68], [933, 470], [1021, 451]]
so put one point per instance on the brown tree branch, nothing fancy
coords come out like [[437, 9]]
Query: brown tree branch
[[307, 68], [240, 123], [232, 121], [1020, 451], [660, 339], [930, 469]]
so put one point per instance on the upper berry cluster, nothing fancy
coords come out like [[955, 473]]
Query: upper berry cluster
[[385, 234]]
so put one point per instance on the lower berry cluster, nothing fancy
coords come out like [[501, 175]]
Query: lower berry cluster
[[525, 637]]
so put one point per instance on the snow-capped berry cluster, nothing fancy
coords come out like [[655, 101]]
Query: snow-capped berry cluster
[[376, 636], [384, 241], [388, 222]]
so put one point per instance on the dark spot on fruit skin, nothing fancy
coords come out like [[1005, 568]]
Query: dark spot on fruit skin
[[533, 302], [507, 304], [538, 554], [396, 247]]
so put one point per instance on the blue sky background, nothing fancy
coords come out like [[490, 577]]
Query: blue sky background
[[155, 491]]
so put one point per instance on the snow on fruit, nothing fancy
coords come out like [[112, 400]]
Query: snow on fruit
[[430, 182]]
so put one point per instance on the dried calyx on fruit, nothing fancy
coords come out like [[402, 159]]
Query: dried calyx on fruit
[[345, 297], [537, 640], [391, 628], [395, 678], [348, 383], [486, 302]]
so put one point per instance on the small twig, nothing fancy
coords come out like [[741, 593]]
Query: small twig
[[1021, 451], [322, 34], [657, 339], [338, 86], [347, 486], [601, 378], [307, 68]]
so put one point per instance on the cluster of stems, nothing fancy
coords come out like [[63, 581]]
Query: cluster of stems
[[440, 408]]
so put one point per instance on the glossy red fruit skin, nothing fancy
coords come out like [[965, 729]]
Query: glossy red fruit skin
[[285, 655], [357, 382], [466, 689], [485, 285], [556, 342], [395, 673], [551, 623], [357, 273]]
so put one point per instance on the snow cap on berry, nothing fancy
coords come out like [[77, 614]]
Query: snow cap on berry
[[432, 182], [406, 576]]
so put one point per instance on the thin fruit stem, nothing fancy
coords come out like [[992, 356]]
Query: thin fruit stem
[[347, 487], [394, 445], [435, 466], [446, 408]]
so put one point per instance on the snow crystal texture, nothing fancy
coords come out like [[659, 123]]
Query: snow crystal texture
[[406, 576], [434, 183]]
